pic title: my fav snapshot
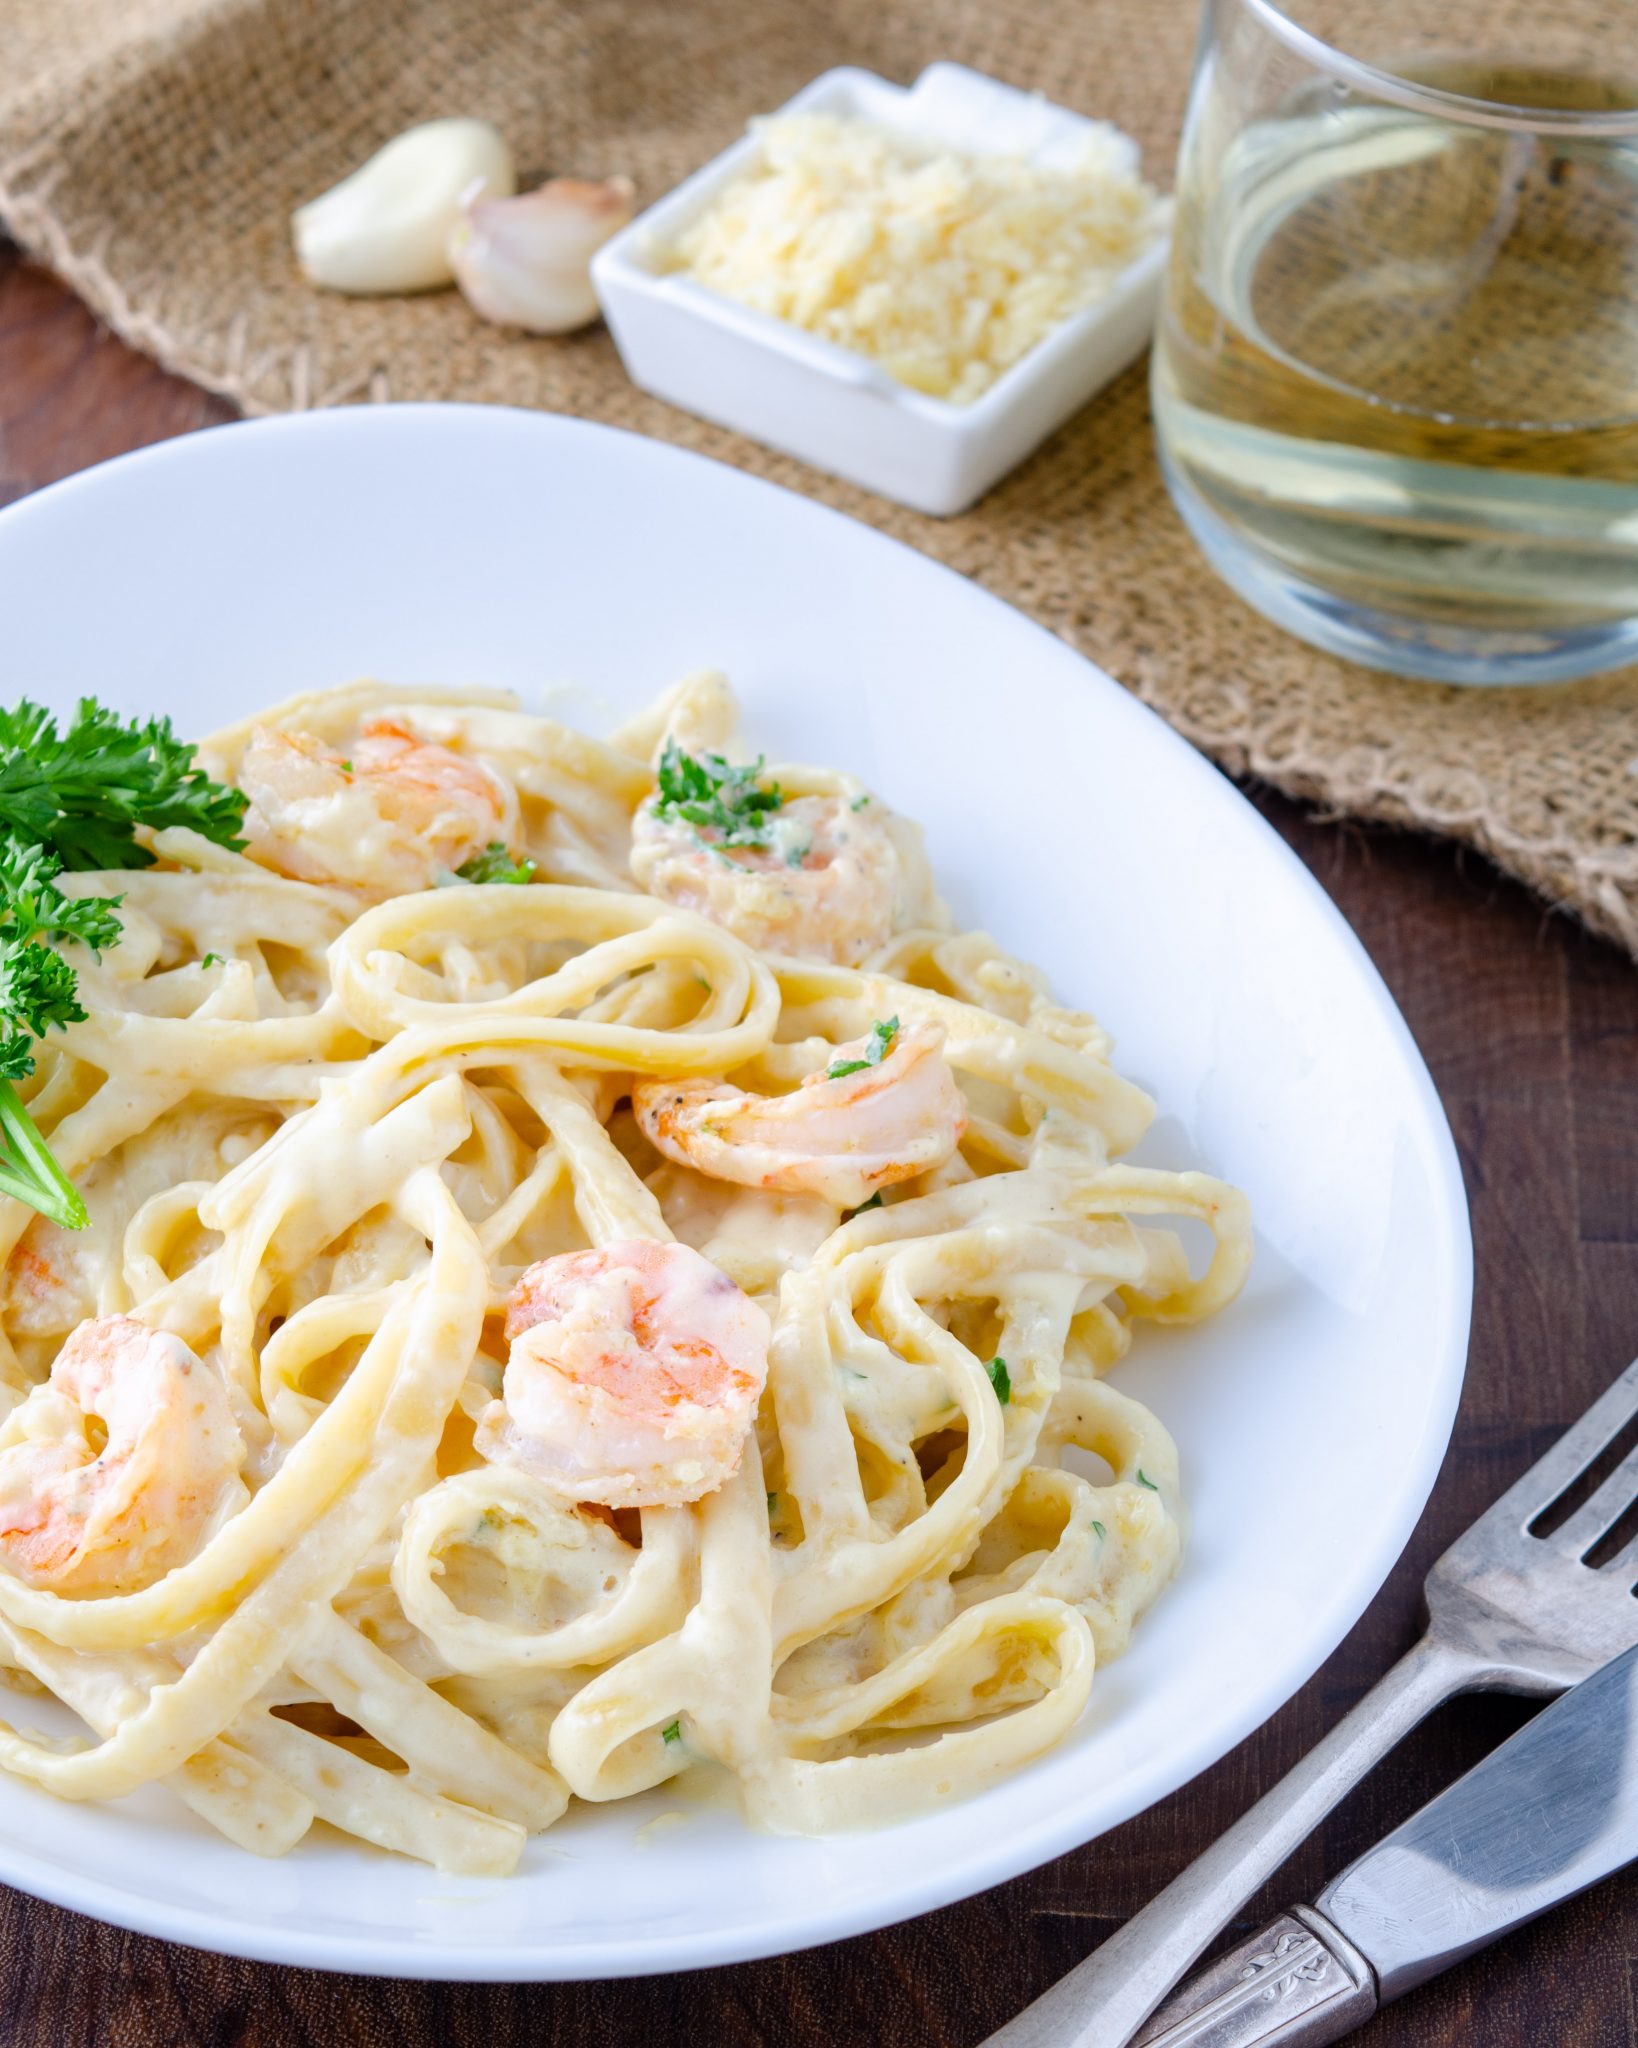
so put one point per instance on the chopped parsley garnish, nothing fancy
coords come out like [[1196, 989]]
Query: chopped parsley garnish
[[211, 960], [495, 864], [881, 1042], [859, 802], [82, 792], [714, 795], [73, 797], [1000, 1379], [346, 767], [672, 1732], [1143, 1479], [1102, 1531], [875, 1202]]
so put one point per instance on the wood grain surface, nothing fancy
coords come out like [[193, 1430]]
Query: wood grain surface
[[1531, 1030]]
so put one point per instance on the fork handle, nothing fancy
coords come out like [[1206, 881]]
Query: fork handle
[[1300, 1983], [1104, 2000]]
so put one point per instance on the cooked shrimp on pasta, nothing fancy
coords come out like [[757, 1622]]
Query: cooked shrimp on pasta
[[588, 1275]]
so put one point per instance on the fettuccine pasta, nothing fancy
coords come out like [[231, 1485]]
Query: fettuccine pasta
[[590, 1277]]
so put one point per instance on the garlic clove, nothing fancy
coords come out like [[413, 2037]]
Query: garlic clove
[[526, 262], [386, 227]]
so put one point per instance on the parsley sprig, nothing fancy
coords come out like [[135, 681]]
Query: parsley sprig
[[714, 795], [32, 906], [39, 990], [495, 864], [72, 798], [882, 1036], [81, 791]]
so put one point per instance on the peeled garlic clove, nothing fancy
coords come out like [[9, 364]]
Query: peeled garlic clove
[[526, 262], [386, 228]]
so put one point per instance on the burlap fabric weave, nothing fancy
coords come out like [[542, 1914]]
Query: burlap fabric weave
[[151, 152]]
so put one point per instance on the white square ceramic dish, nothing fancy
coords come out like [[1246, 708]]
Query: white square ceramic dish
[[826, 404]]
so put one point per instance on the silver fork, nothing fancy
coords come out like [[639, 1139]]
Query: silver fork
[[1507, 1610]]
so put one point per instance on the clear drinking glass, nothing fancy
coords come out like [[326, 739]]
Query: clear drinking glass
[[1396, 376]]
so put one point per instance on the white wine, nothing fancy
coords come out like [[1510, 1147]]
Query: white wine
[[1396, 381]]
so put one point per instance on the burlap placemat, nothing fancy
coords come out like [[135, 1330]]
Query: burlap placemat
[[151, 152]]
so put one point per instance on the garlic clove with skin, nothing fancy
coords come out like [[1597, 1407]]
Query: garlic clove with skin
[[526, 262], [386, 227]]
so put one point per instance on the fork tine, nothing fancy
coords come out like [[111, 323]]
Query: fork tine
[[1620, 1567], [1575, 1450], [1602, 1511]]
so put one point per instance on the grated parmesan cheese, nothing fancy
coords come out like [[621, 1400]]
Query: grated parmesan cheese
[[943, 268]]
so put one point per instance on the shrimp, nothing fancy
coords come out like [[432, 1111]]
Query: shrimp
[[124, 1459], [633, 1376], [835, 879], [395, 817], [48, 1284], [839, 1137]]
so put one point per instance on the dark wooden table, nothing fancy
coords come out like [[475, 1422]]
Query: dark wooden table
[[1531, 1029]]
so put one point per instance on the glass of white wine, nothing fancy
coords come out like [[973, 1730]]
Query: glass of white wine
[[1396, 376]]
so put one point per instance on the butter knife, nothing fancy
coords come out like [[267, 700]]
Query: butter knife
[[1551, 1811]]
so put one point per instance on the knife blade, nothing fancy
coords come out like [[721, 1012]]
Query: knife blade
[[1550, 1812]]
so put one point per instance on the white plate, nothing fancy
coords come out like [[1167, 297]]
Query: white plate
[[472, 544]]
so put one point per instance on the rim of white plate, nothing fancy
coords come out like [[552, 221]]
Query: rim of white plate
[[990, 1863]]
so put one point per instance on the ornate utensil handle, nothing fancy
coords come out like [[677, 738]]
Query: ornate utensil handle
[[1298, 1984], [1103, 2001]]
